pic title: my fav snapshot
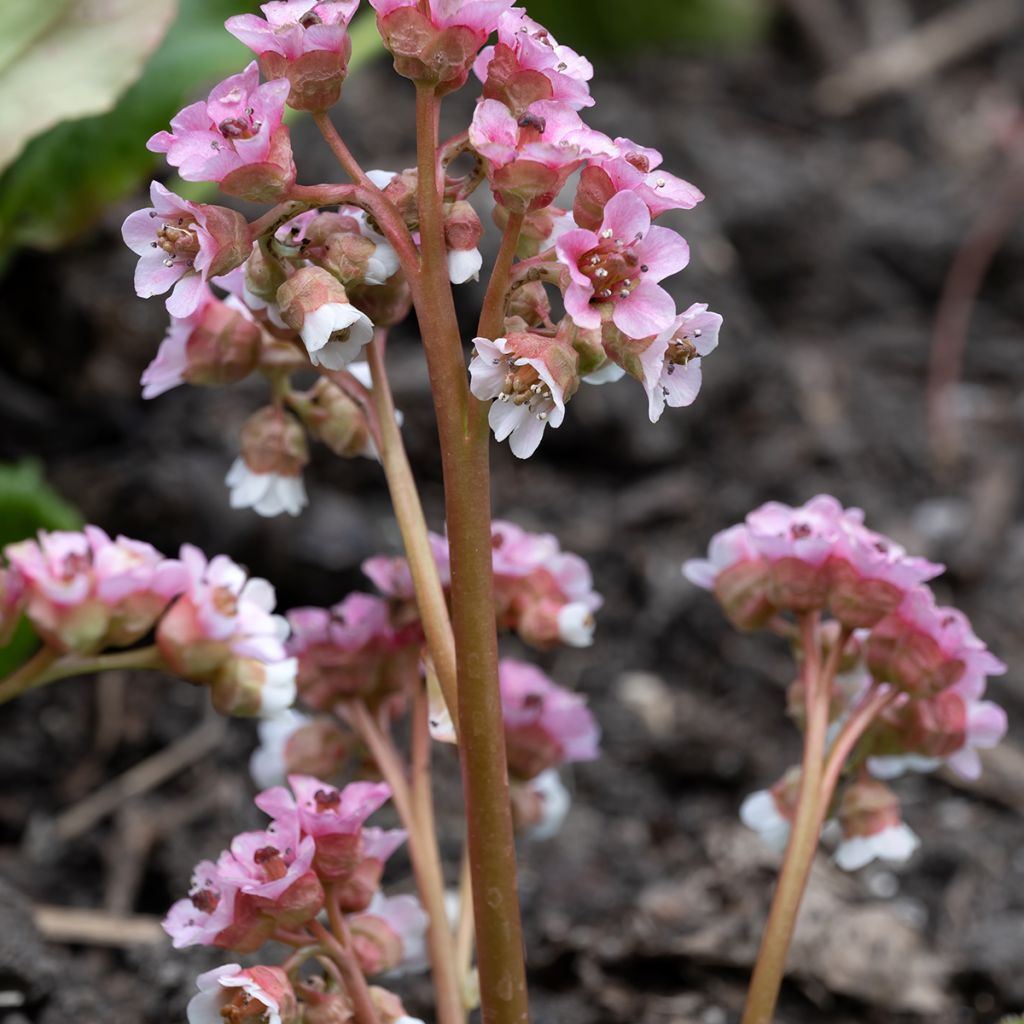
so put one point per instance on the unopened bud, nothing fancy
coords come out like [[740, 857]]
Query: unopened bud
[[230, 231], [263, 275], [247, 687], [592, 195], [224, 347], [272, 441], [336, 420], [316, 77], [347, 256], [531, 305], [403, 192], [385, 305], [377, 946]]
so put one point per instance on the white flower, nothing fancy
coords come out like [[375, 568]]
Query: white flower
[[576, 625], [268, 494], [608, 374], [761, 813], [279, 687], [554, 802], [267, 765], [464, 265], [895, 844], [214, 991], [335, 333]]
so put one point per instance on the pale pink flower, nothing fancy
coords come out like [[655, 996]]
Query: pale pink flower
[[671, 364], [390, 936], [223, 617], [545, 724], [83, 591], [231, 993], [393, 578], [617, 269], [517, 552], [531, 157], [528, 46], [183, 244], [481, 16], [236, 135], [218, 343], [208, 916], [635, 168], [529, 395]]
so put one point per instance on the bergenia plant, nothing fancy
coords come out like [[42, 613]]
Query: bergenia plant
[[304, 296]]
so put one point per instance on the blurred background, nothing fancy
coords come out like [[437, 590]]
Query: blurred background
[[864, 167]]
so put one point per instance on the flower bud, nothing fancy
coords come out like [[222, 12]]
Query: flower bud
[[224, 347], [770, 812], [425, 53], [869, 814], [269, 180], [263, 276], [386, 305], [314, 303], [326, 1007], [462, 234], [378, 947], [402, 191], [248, 687], [232, 239], [347, 256], [336, 420], [316, 77], [530, 304], [391, 935]]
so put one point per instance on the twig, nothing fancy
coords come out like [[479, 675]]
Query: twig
[[97, 928], [941, 41], [145, 776]]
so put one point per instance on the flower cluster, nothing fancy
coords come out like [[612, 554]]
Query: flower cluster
[[544, 594], [922, 662], [273, 883], [84, 593]]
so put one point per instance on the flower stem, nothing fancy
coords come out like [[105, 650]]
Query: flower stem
[[337, 946], [803, 839], [492, 316], [337, 146], [412, 524], [462, 425], [47, 667], [426, 862]]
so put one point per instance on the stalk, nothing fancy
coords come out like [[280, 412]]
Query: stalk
[[803, 839], [340, 951], [462, 426]]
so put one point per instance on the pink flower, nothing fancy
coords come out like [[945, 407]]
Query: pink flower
[[304, 41], [524, 45], [218, 343], [229, 993], [351, 649], [531, 157], [531, 377], [83, 591], [393, 577], [391, 936], [222, 631], [617, 270], [236, 137], [545, 724], [183, 244], [926, 649], [334, 818], [207, 916], [671, 363], [480, 16], [631, 168]]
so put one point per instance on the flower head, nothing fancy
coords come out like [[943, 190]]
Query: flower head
[[614, 272], [262, 995], [545, 724], [306, 42], [236, 138], [181, 245]]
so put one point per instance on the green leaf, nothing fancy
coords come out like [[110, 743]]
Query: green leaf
[[65, 178], [79, 65], [24, 23], [28, 504]]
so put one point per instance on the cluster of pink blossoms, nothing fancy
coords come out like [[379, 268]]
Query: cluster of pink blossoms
[[821, 558], [544, 594], [275, 882], [84, 593]]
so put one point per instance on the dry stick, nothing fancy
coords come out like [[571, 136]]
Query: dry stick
[[953, 316], [426, 862], [944, 39], [465, 440], [97, 928], [803, 839], [141, 779]]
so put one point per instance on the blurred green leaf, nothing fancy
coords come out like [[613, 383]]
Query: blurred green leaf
[[600, 25], [28, 504], [65, 178], [24, 23], [79, 64]]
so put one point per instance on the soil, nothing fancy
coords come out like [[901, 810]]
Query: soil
[[824, 242]]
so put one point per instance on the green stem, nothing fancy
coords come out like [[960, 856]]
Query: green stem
[[803, 839], [412, 524], [51, 669], [464, 434], [426, 862]]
